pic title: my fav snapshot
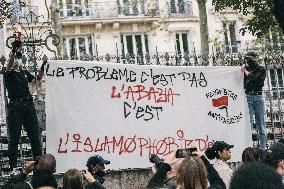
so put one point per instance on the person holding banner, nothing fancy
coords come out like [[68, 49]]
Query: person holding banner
[[21, 110], [254, 76]]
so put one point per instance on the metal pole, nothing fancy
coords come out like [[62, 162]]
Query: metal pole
[[117, 58], [195, 56], [157, 56]]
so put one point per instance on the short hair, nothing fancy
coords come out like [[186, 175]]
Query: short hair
[[42, 178], [47, 162], [192, 174], [73, 179], [275, 154], [255, 175], [251, 154]]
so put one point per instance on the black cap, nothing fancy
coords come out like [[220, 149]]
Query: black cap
[[97, 159], [250, 54], [221, 145]]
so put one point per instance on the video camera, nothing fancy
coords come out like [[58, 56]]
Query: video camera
[[156, 160]]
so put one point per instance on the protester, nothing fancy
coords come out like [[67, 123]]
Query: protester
[[192, 174], [43, 179], [43, 171], [275, 158], [165, 174], [251, 154], [21, 110], [221, 151], [254, 76], [73, 179], [96, 166], [255, 175]]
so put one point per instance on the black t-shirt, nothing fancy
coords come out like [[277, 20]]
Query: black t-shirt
[[17, 83]]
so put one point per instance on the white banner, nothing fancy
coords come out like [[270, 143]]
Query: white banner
[[127, 112]]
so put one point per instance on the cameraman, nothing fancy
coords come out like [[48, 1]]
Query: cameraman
[[165, 175], [165, 172], [96, 166], [254, 76]]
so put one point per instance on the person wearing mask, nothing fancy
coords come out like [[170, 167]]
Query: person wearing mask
[[21, 110], [96, 166], [254, 76], [220, 151]]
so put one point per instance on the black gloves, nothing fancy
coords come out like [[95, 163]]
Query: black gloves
[[16, 45], [42, 66]]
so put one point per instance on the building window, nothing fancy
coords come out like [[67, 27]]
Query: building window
[[230, 37], [182, 43], [177, 6], [74, 7], [135, 46], [276, 82], [78, 47], [136, 7]]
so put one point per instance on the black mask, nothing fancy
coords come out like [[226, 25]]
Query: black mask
[[251, 64], [99, 176]]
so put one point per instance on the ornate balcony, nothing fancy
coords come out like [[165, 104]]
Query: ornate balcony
[[21, 16], [109, 9]]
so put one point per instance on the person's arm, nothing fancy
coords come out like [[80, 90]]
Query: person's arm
[[93, 183], [260, 75], [30, 166], [158, 179], [213, 176], [15, 47], [41, 71]]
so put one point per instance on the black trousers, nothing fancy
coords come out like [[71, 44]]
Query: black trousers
[[22, 113]]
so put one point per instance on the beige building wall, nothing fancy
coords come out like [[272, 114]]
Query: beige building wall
[[105, 26]]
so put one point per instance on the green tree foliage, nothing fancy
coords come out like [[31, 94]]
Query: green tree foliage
[[261, 19]]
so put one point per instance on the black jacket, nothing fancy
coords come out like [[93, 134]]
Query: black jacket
[[254, 81]]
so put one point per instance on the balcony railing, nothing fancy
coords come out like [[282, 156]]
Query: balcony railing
[[110, 9], [24, 16], [138, 7], [179, 8]]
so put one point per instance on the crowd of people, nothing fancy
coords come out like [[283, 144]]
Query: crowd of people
[[43, 175], [259, 170]]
